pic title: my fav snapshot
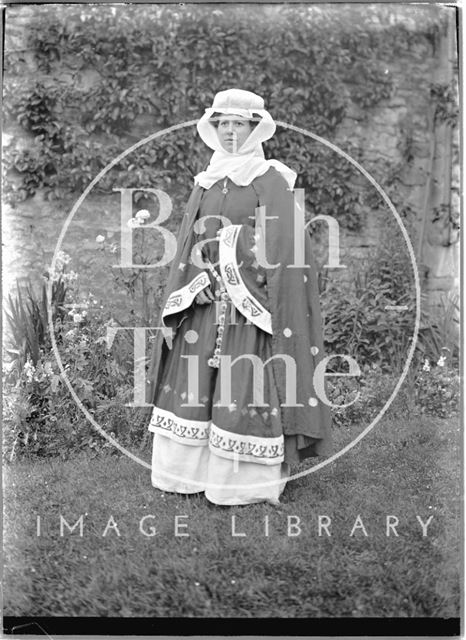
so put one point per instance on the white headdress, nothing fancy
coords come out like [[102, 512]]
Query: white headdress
[[248, 161]]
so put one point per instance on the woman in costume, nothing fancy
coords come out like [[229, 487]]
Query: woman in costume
[[231, 374]]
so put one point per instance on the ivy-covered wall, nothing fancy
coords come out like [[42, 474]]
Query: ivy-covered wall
[[84, 83]]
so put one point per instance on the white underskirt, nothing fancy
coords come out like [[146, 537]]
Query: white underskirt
[[199, 470]]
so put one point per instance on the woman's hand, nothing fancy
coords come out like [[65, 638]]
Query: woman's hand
[[205, 296]]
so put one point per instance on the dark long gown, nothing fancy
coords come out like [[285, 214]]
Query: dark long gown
[[230, 447]]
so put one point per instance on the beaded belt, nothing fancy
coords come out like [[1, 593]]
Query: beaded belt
[[224, 298]]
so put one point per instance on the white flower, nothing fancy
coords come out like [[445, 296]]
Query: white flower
[[48, 369], [100, 239], [77, 317], [426, 366], [61, 260], [135, 222], [63, 257], [29, 370], [441, 361], [143, 214], [70, 277]]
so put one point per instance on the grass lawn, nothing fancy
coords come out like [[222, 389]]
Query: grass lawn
[[405, 469]]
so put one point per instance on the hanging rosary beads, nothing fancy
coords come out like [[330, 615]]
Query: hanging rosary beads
[[221, 293]]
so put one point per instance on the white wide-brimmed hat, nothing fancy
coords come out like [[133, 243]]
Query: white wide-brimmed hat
[[237, 102], [247, 162]]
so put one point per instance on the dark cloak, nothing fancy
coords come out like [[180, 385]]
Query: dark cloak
[[294, 306]]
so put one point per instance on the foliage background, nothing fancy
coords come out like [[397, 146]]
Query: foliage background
[[84, 83]]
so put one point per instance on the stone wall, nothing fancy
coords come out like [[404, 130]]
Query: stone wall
[[431, 179], [382, 133]]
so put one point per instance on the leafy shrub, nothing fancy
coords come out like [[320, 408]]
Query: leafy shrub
[[28, 319], [433, 391], [439, 328], [41, 416], [437, 389], [358, 314], [46, 419], [164, 64]]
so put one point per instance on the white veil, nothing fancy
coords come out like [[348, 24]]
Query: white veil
[[248, 161]]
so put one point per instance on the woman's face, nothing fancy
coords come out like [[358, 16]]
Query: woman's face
[[232, 132]]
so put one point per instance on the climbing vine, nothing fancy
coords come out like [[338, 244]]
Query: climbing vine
[[165, 63], [446, 103]]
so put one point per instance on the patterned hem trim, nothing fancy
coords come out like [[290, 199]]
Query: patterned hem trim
[[243, 300], [246, 448], [221, 442], [191, 432], [182, 298]]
